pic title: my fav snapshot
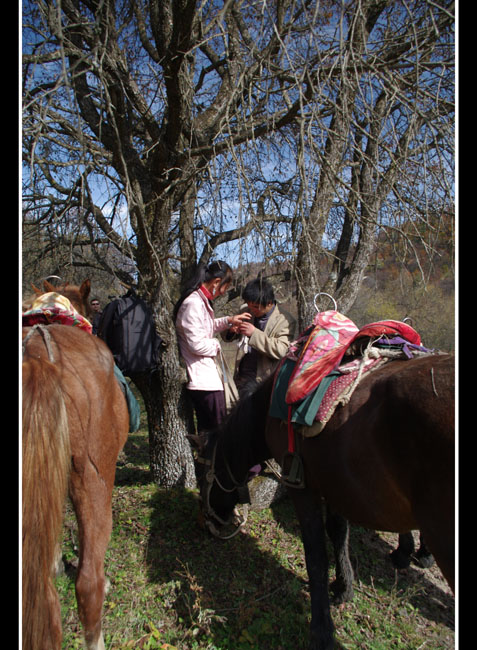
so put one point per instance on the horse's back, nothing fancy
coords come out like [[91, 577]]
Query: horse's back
[[97, 409], [425, 389], [413, 397], [69, 347]]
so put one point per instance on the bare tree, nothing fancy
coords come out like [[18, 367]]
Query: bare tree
[[376, 151], [287, 122]]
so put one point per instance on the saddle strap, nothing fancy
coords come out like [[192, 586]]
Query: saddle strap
[[46, 338], [291, 433]]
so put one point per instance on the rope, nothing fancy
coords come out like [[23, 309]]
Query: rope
[[345, 398], [210, 477], [46, 338], [433, 384], [372, 352]]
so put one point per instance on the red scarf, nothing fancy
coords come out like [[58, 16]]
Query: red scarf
[[206, 292]]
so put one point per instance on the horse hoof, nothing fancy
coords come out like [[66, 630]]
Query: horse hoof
[[340, 594], [329, 646], [343, 597], [322, 639], [400, 560], [426, 560], [97, 644]]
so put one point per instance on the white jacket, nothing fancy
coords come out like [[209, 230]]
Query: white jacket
[[196, 329]]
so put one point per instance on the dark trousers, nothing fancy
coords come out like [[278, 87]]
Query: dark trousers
[[209, 406]]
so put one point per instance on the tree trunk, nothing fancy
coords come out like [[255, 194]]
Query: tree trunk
[[168, 412], [169, 417], [310, 247]]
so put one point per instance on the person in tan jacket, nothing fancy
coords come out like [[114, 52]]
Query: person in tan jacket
[[264, 339]]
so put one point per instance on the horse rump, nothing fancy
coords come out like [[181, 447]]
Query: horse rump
[[45, 472]]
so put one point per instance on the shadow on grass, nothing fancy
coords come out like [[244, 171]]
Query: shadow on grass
[[133, 463], [370, 555], [372, 565], [265, 604]]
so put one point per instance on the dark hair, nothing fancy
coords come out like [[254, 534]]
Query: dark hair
[[203, 274], [259, 291]]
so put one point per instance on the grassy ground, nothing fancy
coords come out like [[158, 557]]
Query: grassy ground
[[174, 586]]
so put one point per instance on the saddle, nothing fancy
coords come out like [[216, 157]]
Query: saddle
[[326, 363], [320, 349], [323, 368]]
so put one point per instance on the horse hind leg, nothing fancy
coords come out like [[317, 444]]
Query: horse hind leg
[[91, 589], [424, 557], [94, 533], [401, 557], [442, 547], [337, 528]]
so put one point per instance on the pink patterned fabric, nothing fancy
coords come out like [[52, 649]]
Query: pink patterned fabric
[[326, 345], [343, 384]]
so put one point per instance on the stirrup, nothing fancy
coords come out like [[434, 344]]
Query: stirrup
[[295, 477]]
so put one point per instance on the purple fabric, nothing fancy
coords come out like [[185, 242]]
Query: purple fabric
[[209, 408], [406, 345], [254, 471]]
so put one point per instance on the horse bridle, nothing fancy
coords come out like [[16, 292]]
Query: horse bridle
[[205, 489]]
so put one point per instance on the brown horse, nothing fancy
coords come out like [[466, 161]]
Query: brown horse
[[384, 461], [75, 422]]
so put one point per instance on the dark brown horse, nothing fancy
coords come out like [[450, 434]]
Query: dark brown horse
[[75, 422], [405, 552], [384, 461]]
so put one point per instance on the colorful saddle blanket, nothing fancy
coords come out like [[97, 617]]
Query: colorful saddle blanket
[[320, 349], [312, 380], [52, 307], [315, 410]]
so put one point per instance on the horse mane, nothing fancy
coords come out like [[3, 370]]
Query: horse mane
[[242, 432]]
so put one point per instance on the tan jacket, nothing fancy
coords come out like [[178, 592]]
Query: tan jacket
[[272, 343]]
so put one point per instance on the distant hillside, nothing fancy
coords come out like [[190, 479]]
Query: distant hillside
[[409, 277]]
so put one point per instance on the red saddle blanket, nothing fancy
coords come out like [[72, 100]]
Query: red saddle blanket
[[321, 347], [52, 307]]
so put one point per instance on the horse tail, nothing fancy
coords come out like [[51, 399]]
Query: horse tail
[[46, 460]]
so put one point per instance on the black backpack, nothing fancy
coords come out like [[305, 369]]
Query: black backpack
[[127, 327]]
